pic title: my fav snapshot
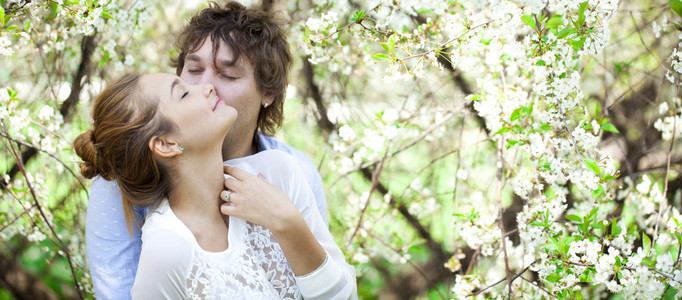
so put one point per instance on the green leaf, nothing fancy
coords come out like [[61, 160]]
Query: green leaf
[[577, 45], [359, 15], [511, 143], [502, 130], [611, 177], [565, 32], [2, 15], [13, 27], [545, 127], [598, 192], [554, 22], [385, 46], [592, 165], [646, 243], [554, 277], [515, 115], [574, 218], [539, 224], [107, 15], [391, 43], [609, 127], [598, 225], [27, 25], [527, 110], [592, 213], [578, 295], [676, 6], [615, 229], [528, 19], [380, 56], [597, 108], [581, 14]]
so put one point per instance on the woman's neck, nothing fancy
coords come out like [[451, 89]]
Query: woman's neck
[[196, 181]]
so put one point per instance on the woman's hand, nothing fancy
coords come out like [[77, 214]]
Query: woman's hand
[[255, 200]]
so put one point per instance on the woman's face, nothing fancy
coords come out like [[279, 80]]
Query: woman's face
[[200, 117]]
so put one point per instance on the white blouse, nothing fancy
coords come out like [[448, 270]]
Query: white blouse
[[173, 265]]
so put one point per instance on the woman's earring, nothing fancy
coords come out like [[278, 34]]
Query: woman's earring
[[266, 105], [182, 148]]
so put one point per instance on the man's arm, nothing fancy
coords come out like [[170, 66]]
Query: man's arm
[[309, 169], [112, 253]]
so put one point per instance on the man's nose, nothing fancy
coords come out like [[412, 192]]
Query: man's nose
[[207, 78]]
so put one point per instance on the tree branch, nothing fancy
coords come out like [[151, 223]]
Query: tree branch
[[87, 49]]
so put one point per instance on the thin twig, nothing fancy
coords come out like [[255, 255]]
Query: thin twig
[[500, 213], [503, 279], [55, 157], [443, 45], [64, 249], [541, 288], [412, 264], [375, 180]]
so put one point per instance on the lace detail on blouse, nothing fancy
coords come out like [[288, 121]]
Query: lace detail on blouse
[[261, 272]]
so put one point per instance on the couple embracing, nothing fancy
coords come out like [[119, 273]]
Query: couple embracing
[[192, 197]]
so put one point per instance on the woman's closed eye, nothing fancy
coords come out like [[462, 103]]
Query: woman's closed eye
[[184, 95]]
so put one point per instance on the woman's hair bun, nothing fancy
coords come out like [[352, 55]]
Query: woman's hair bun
[[84, 145]]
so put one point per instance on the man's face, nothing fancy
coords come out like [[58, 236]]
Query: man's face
[[236, 85]]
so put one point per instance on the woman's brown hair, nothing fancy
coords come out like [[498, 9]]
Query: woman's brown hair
[[249, 32], [117, 146]]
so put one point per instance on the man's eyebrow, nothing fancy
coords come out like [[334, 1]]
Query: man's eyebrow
[[174, 84], [237, 66], [193, 57]]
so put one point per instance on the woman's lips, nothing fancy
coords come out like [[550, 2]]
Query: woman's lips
[[217, 102]]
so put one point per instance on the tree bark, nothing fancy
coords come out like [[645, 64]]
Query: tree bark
[[20, 283]]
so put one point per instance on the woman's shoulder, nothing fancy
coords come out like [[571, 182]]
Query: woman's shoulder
[[162, 222]]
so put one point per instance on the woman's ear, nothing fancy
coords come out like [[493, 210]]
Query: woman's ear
[[164, 146]]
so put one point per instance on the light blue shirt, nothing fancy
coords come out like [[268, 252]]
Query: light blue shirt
[[113, 254]]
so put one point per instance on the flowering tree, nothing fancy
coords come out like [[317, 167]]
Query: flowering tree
[[474, 148], [520, 151]]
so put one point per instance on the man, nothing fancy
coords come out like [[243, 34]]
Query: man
[[244, 54]]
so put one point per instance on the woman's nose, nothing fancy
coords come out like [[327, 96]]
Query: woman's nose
[[208, 89]]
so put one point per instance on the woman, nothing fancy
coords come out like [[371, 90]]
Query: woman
[[161, 139]]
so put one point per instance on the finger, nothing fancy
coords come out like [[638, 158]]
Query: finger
[[233, 184], [237, 172], [225, 196], [262, 177], [228, 210]]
